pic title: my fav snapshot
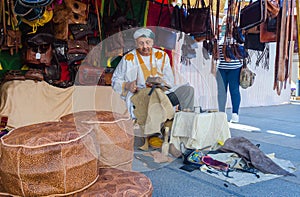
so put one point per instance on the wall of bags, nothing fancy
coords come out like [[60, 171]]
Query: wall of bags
[[53, 37]]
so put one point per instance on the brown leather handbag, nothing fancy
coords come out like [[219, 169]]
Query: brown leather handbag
[[14, 75], [47, 57], [39, 55], [34, 74], [268, 32], [88, 75], [78, 46], [80, 30], [198, 19]]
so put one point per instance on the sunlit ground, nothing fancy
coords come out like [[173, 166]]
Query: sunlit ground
[[248, 128]]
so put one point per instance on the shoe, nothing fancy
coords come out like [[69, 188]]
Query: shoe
[[234, 118]]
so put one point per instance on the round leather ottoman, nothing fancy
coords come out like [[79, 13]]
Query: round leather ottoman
[[50, 158], [115, 182], [114, 134]]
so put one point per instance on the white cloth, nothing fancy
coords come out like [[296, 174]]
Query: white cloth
[[199, 130], [29, 102], [129, 69]]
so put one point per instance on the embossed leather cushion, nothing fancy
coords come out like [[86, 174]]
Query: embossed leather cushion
[[114, 133], [50, 158], [114, 182]]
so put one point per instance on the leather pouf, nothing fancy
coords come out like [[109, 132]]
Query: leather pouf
[[114, 133], [50, 158], [114, 182]]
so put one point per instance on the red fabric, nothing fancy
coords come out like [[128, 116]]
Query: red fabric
[[154, 12], [164, 21], [65, 73], [164, 1]]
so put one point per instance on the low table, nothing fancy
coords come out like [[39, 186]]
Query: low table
[[199, 130]]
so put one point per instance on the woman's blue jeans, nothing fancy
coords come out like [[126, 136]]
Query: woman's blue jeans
[[231, 78]]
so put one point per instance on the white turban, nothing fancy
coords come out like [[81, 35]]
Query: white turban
[[143, 32]]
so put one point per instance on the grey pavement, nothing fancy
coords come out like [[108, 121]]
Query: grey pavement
[[275, 128]]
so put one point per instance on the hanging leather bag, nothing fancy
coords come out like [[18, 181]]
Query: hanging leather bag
[[268, 30], [253, 42], [88, 75], [165, 37], [34, 74], [14, 75], [198, 19], [79, 31], [78, 46], [36, 55], [253, 14]]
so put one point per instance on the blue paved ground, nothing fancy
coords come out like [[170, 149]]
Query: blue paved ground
[[275, 128]]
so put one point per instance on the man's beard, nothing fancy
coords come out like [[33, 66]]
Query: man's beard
[[145, 51]]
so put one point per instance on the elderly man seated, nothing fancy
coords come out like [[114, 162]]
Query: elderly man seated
[[130, 80]]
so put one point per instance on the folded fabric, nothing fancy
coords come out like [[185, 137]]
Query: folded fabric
[[253, 155]]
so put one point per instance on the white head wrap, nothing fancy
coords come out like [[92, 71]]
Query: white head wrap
[[143, 32]]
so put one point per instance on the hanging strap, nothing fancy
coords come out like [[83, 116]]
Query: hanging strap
[[217, 20], [210, 25], [291, 44], [237, 18], [161, 10], [98, 20], [3, 17]]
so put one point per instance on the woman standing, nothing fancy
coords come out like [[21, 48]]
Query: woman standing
[[228, 75]]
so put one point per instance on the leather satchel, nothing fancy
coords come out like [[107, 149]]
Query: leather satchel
[[78, 46], [253, 14], [88, 75], [39, 55], [198, 20], [80, 30], [34, 74], [253, 42], [14, 75], [265, 35], [269, 27]]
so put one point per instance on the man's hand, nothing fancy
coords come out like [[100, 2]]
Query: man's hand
[[131, 86]]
